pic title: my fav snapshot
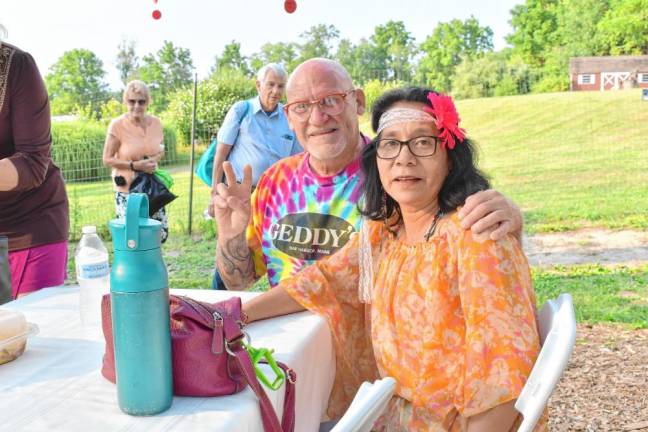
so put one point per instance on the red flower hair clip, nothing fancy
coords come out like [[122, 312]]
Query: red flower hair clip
[[446, 119]]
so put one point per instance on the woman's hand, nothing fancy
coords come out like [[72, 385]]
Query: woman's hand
[[159, 155], [146, 165], [498, 418]]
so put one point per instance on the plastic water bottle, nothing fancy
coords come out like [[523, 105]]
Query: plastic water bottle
[[93, 275]]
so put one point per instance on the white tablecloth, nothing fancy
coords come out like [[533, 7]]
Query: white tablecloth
[[56, 385]]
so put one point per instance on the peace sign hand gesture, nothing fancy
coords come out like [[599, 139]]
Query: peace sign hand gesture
[[231, 202]]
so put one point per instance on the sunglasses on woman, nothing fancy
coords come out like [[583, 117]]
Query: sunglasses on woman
[[140, 102]]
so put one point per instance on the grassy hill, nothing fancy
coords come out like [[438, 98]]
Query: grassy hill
[[570, 160]]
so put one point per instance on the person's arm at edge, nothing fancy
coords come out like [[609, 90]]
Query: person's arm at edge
[[270, 304], [226, 138], [220, 155], [8, 175], [109, 158], [31, 124]]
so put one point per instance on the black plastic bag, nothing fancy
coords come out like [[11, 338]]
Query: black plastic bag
[[158, 194]]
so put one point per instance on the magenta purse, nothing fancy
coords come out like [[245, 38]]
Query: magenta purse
[[208, 356]]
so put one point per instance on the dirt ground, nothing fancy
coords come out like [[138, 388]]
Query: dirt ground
[[587, 246], [605, 385]]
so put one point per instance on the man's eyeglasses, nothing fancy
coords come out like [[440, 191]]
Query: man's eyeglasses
[[331, 104], [140, 102], [423, 146]]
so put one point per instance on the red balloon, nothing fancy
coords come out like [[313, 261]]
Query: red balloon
[[290, 6], [157, 14]]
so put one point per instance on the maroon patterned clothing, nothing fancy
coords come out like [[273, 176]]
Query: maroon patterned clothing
[[36, 211]]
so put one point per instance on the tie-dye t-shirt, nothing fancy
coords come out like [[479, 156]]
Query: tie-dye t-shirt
[[299, 217]]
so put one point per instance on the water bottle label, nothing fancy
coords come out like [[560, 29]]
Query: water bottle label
[[94, 270]]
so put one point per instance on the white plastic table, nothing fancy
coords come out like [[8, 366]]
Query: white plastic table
[[56, 385]]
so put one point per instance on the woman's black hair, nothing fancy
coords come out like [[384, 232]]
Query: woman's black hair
[[463, 180]]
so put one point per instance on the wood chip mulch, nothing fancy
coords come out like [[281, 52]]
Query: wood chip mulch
[[605, 385]]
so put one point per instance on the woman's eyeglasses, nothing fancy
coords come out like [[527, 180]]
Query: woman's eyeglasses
[[140, 102], [331, 104], [423, 146]]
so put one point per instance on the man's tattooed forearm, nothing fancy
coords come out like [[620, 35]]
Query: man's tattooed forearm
[[234, 261]]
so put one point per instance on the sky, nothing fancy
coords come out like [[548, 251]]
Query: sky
[[48, 28]]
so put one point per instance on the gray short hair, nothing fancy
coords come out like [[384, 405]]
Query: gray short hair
[[137, 86], [277, 68]]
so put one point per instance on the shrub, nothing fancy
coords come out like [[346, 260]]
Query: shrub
[[374, 88], [492, 74], [215, 97]]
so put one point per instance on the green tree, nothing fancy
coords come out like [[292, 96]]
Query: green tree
[[535, 25], [395, 49], [577, 26], [169, 70], [362, 61], [554, 75], [547, 33], [493, 74], [232, 58], [318, 41], [624, 28], [447, 46], [75, 82], [127, 61], [280, 52]]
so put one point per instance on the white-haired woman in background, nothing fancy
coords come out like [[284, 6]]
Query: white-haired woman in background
[[134, 143]]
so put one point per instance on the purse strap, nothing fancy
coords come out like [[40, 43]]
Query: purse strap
[[288, 418], [268, 415]]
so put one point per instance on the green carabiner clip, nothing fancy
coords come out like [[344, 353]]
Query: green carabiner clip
[[258, 354]]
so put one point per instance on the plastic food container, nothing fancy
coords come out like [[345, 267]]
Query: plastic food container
[[14, 331]]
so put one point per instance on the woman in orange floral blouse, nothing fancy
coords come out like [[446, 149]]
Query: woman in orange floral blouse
[[414, 296]]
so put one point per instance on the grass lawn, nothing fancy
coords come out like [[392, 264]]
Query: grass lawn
[[93, 204], [601, 294], [568, 159]]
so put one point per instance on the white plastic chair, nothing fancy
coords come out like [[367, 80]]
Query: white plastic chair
[[557, 324], [367, 405]]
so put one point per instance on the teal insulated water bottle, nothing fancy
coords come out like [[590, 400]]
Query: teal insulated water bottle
[[139, 295]]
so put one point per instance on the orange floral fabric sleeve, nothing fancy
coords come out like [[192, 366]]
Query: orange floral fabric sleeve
[[329, 288], [498, 303]]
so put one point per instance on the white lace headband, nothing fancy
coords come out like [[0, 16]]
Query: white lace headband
[[402, 115]]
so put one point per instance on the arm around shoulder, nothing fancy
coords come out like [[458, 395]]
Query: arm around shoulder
[[30, 123]]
